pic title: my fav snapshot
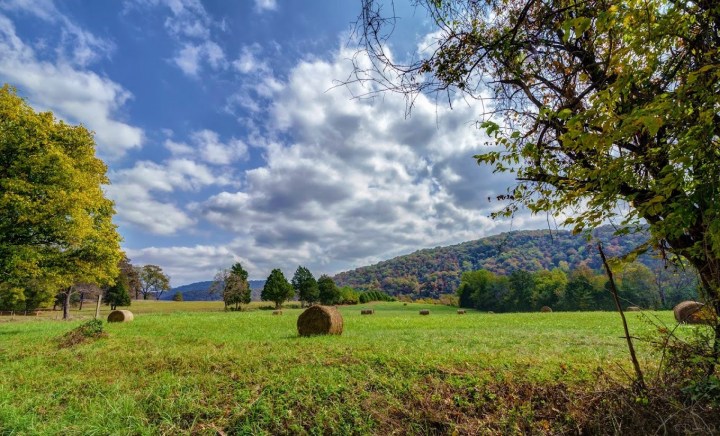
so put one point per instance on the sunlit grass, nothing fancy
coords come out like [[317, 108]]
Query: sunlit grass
[[189, 366]]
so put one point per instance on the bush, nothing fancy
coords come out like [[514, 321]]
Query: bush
[[178, 296]]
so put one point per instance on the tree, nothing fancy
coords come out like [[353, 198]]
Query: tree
[[549, 287], [118, 294], [178, 296], [277, 289], [131, 276], [56, 225], [329, 292], [305, 285], [233, 285], [604, 107], [522, 288], [152, 281]]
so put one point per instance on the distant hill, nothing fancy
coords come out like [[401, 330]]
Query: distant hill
[[434, 271], [200, 291]]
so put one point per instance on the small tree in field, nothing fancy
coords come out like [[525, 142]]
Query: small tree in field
[[178, 296], [117, 294], [233, 285], [305, 285], [277, 289], [153, 281]]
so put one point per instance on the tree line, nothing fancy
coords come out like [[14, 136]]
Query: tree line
[[582, 288], [232, 285]]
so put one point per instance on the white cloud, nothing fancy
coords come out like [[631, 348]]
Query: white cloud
[[71, 93], [207, 146], [76, 45], [248, 62], [144, 197], [265, 5], [192, 27], [357, 182]]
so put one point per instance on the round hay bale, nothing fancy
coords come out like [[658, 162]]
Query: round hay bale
[[692, 312], [633, 309], [461, 312], [546, 309], [120, 316], [320, 320], [424, 312], [277, 312], [367, 312]]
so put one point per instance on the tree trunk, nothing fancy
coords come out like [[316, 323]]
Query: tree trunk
[[82, 297], [278, 305], [66, 303]]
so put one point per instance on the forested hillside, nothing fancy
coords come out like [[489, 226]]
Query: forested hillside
[[435, 271]]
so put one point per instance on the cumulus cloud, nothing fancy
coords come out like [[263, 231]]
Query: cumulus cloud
[[144, 194], [207, 146], [72, 93], [356, 182]]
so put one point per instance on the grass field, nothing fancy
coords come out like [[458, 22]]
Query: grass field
[[192, 368]]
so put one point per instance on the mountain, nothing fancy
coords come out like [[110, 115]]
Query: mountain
[[435, 271], [200, 291]]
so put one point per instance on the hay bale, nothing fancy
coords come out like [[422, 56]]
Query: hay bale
[[546, 309], [461, 312], [320, 320], [424, 312], [633, 309], [692, 312], [277, 312], [120, 316], [367, 312], [491, 312]]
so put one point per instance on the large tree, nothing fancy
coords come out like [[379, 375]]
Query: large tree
[[277, 289], [606, 108], [305, 285], [153, 281], [56, 225], [233, 286]]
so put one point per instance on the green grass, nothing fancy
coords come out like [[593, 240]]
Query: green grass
[[191, 368]]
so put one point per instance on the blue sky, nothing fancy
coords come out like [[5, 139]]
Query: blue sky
[[227, 138]]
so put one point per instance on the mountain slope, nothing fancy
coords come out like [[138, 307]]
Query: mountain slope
[[435, 271], [200, 291]]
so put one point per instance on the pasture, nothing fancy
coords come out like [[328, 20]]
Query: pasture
[[189, 367]]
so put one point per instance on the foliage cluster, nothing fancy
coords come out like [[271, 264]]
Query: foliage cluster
[[233, 286], [579, 289], [368, 296], [56, 228]]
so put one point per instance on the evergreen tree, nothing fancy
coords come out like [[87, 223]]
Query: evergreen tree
[[277, 289], [117, 294], [305, 285]]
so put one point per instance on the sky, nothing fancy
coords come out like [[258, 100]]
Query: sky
[[231, 134]]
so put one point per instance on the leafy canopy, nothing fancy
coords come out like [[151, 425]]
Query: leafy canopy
[[55, 223], [601, 108]]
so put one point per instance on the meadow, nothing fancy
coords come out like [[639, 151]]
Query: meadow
[[189, 367]]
